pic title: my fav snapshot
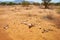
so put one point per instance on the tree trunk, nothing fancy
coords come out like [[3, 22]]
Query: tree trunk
[[46, 5]]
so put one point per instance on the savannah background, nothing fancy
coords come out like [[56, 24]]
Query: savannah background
[[29, 21]]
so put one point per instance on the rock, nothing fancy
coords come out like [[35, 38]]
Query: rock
[[39, 28]]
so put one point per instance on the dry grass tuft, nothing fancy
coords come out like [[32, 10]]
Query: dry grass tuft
[[57, 22], [49, 17]]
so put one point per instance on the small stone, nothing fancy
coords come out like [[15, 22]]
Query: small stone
[[39, 28], [42, 32]]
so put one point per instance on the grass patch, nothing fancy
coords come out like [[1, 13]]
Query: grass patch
[[49, 17]]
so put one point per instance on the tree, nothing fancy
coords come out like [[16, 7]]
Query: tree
[[46, 2]]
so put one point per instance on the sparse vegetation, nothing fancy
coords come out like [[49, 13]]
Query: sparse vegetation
[[30, 22], [25, 3], [11, 3], [50, 17], [57, 4], [3, 3], [36, 3]]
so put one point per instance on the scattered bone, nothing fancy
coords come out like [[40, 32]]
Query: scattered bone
[[6, 27], [46, 30], [49, 29], [24, 23], [28, 24]]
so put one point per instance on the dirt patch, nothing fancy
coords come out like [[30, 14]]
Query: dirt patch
[[28, 24], [4, 35]]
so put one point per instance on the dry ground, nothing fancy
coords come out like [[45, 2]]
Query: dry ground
[[16, 20]]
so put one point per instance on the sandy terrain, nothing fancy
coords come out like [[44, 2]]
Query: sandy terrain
[[32, 23]]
